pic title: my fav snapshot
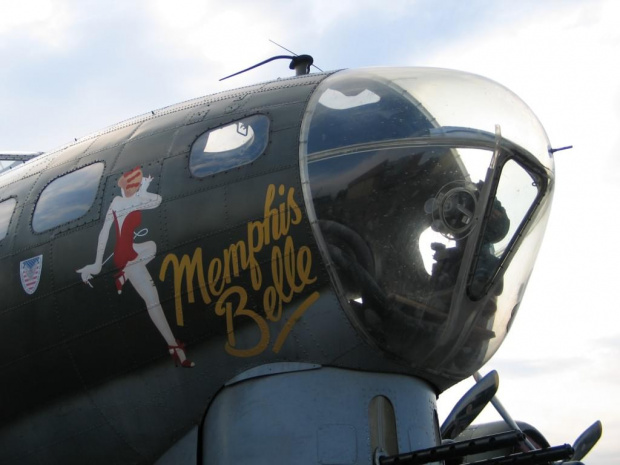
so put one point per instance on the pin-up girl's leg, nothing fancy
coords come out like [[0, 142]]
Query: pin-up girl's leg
[[146, 252], [141, 280]]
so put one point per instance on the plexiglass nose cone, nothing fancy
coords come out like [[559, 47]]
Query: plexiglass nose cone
[[428, 191]]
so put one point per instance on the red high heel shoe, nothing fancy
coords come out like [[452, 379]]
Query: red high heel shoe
[[174, 351], [119, 280]]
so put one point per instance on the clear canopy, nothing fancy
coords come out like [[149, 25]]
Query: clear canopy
[[429, 191]]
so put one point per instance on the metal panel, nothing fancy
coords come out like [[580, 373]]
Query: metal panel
[[310, 417]]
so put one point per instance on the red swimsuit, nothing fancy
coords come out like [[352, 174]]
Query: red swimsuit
[[123, 249]]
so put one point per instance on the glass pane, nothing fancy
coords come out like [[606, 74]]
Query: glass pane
[[6, 211], [364, 110], [67, 198], [394, 163], [395, 222], [516, 193], [388, 103], [229, 146]]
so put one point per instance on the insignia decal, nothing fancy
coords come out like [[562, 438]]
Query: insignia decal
[[30, 273]]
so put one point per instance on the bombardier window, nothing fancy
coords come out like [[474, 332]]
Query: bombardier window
[[429, 221], [515, 197], [230, 146], [6, 211], [517, 190], [67, 198]]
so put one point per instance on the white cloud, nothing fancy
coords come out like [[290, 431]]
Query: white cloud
[[44, 21], [566, 59], [327, 14], [219, 35]]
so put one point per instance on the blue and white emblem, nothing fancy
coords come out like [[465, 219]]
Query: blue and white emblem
[[30, 273]]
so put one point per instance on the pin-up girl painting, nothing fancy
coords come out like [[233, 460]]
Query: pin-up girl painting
[[131, 258]]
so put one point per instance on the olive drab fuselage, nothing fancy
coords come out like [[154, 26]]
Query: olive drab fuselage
[[204, 273]]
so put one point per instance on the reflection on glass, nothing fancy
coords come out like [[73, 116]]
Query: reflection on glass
[[429, 239], [338, 101], [67, 198], [388, 218], [6, 211], [362, 111], [515, 197], [229, 146], [457, 99]]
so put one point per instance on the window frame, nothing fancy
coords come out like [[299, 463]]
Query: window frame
[[8, 224], [254, 154], [96, 194]]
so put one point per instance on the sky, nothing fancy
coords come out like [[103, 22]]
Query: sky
[[72, 67]]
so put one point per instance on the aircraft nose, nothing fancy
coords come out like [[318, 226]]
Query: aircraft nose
[[421, 218]]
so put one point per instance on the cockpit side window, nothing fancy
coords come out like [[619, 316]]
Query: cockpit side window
[[67, 198], [235, 144], [7, 207]]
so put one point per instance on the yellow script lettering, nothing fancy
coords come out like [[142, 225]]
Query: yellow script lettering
[[290, 274], [188, 268], [224, 307]]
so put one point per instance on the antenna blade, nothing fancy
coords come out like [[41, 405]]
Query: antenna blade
[[278, 57], [471, 404], [586, 441], [282, 47], [290, 51]]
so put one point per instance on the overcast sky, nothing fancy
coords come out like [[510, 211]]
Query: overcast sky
[[69, 68]]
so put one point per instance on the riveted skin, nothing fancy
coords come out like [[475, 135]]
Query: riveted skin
[[87, 378]]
